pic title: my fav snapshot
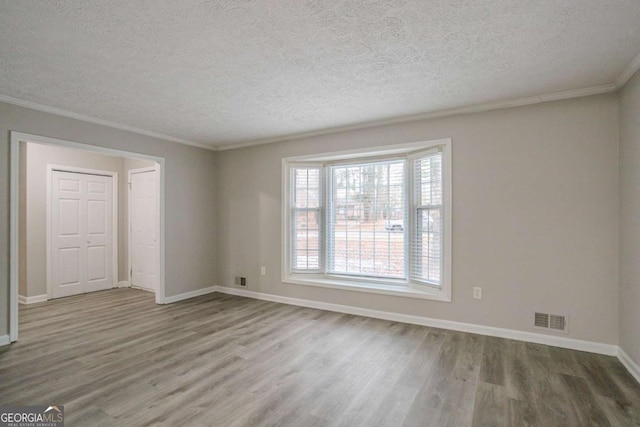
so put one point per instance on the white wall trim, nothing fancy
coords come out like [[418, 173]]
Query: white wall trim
[[191, 294], [32, 300], [629, 363], [14, 215], [556, 341], [487, 106], [628, 72], [4, 340], [69, 114], [142, 289], [123, 284]]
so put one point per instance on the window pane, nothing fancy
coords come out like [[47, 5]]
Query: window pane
[[305, 219], [429, 244], [306, 188], [429, 180], [426, 246], [366, 219]]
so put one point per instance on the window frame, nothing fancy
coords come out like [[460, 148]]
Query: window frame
[[327, 227], [321, 218], [412, 212], [407, 287]]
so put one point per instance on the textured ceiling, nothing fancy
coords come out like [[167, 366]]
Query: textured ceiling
[[221, 72]]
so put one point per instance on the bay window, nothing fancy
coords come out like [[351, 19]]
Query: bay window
[[372, 220]]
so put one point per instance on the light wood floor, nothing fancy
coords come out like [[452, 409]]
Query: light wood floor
[[115, 358]]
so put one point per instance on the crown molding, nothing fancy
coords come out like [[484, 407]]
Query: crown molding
[[69, 114], [628, 72], [488, 106]]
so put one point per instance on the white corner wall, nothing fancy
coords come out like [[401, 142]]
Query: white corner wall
[[630, 219], [535, 216]]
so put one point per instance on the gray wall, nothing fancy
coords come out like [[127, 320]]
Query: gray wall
[[630, 218], [535, 215], [190, 195]]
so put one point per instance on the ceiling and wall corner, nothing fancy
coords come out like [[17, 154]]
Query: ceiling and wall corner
[[220, 73]]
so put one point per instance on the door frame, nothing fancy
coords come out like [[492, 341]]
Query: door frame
[[129, 216], [114, 217], [14, 212]]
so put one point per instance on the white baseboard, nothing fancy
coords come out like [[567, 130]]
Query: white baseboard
[[629, 363], [123, 284], [142, 289], [187, 295], [4, 340], [564, 342], [32, 300]]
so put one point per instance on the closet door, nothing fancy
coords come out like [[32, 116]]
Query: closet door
[[81, 233]]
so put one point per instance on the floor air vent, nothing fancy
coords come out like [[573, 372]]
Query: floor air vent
[[550, 321]]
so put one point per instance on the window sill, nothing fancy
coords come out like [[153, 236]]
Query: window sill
[[371, 288]]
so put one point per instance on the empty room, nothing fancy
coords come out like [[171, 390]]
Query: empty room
[[319, 213]]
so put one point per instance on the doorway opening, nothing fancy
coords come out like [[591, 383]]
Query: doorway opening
[[72, 209]]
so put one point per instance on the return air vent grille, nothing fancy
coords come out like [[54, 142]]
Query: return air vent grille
[[542, 320], [550, 321], [557, 322]]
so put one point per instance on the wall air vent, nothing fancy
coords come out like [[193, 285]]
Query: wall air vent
[[558, 323], [541, 320], [550, 321]]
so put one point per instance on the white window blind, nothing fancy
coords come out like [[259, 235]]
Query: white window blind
[[306, 208], [366, 212], [426, 245]]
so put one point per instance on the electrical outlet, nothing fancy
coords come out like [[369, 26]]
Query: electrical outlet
[[263, 271], [243, 281], [477, 293]]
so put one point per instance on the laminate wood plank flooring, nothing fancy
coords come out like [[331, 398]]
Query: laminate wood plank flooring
[[115, 358]]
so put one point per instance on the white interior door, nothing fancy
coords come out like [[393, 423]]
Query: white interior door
[[81, 233], [143, 214]]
